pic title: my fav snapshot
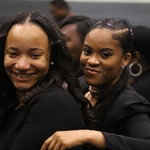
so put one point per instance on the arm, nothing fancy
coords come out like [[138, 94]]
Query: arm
[[73, 138], [137, 138]]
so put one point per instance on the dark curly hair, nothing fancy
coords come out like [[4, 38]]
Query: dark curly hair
[[62, 69]]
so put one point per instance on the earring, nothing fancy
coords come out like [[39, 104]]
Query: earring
[[52, 63], [123, 67], [135, 74]]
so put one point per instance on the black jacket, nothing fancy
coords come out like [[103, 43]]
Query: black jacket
[[127, 122], [142, 84]]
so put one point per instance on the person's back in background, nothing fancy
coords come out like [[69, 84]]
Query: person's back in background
[[140, 61]]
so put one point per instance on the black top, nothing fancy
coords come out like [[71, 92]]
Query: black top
[[51, 110], [142, 85], [83, 85], [127, 122]]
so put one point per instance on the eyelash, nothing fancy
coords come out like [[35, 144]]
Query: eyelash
[[103, 55], [106, 54], [13, 55], [35, 56], [86, 51]]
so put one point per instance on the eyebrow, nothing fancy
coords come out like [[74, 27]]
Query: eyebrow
[[16, 49], [103, 49], [87, 46]]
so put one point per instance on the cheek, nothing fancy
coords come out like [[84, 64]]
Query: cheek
[[7, 62], [111, 66], [82, 58], [42, 69], [43, 64]]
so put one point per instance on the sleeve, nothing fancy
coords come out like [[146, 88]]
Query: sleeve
[[137, 135], [49, 113]]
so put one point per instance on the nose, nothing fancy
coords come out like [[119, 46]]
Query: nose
[[93, 60], [22, 63]]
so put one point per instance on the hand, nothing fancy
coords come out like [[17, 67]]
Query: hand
[[63, 140]]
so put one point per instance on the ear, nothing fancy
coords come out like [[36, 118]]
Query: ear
[[136, 56], [126, 59]]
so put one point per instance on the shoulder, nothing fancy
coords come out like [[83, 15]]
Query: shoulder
[[129, 95], [127, 105], [55, 93], [54, 97], [130, 102], [55, 102]]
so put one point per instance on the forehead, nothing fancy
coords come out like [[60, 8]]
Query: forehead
[[69, 28], [27, 26], [27, 30], [101, 38], [100, 34]]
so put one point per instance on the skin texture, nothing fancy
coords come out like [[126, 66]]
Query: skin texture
[[74, 44], [27, 54]]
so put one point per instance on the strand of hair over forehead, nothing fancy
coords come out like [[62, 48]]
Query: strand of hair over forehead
[[111, 24]]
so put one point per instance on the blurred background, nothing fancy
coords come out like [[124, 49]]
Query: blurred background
[[132, 12]]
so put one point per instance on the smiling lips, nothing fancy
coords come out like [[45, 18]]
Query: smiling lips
[[92, 72], [23, 77]]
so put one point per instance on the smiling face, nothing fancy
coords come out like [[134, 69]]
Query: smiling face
[[27, 55], [102, 59]]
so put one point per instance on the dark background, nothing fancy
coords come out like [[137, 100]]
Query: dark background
[[131, 13]]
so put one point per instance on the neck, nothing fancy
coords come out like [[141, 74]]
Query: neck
[[96, 93], [21, 100]]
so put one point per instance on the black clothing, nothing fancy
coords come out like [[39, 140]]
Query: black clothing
[[142, 83], [83, 85], [127, 122], [51, 110]]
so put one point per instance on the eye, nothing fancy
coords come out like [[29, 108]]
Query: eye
[[13, 54], [66, 38], [106, 54], [86, 51], [35, 56]]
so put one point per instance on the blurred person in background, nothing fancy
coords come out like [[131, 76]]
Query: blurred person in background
[[75, 29], [140, 61], [59, 9]]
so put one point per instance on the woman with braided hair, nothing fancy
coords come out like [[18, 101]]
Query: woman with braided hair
[[119, 116]]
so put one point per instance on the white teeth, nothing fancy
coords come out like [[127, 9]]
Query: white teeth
[[23, 75]]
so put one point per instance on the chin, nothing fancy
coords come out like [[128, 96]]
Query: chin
[[22, 88]]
